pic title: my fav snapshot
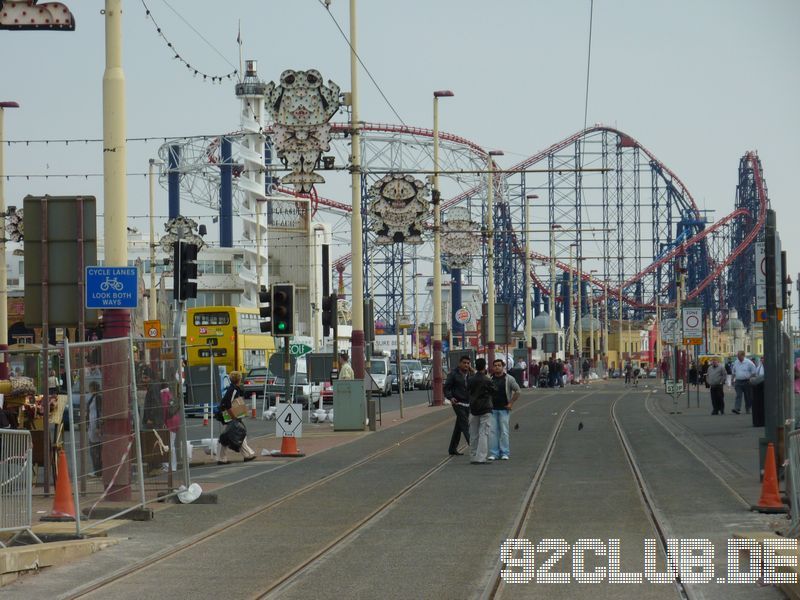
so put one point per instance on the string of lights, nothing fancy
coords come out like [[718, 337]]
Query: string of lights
[[150, 138], [177, 55]]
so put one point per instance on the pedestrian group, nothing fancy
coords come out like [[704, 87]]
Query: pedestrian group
[[482, 404]]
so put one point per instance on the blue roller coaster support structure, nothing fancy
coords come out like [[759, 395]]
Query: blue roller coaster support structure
[[741, 284]]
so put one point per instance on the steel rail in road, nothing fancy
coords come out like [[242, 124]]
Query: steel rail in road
[[495, 584], [495, 581], [212, 532], [286, 579], [651, 511], [298, 571], [710, 450]]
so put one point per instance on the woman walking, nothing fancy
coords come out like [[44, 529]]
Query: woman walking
[[234, 391]]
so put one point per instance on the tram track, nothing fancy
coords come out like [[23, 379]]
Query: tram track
[[495, 585], [651, 510], [285, 580], [213, 532], [685, 433], [493, 588]]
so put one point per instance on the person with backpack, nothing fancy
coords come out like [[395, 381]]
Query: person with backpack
[[481, 392], [506, 392]]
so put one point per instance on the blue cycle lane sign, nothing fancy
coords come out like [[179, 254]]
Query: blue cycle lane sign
[[111, 287]]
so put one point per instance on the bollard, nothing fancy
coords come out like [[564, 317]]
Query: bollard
[[253, 405], [205, 415], [371, 414]]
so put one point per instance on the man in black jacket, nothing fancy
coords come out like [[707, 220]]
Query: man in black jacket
[[455, 390], [481, 391]]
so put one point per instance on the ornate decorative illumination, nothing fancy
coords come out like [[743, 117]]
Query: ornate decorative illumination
[[301, 107], [398, 207], [460, 238]]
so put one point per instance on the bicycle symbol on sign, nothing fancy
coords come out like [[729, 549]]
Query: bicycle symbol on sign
[[111, 284]]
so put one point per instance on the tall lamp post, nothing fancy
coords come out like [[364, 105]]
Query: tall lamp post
[[438, 398], [570, 304], [592, 345], [528, 281], [357, 261], [3, 276], [490, 333], [553, 228]]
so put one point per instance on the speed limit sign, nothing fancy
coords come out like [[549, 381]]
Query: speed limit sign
[[152, 331]]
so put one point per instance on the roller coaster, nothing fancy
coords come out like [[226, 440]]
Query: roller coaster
[[627, 215]]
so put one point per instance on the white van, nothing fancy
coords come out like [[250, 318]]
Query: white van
[[381, 377]]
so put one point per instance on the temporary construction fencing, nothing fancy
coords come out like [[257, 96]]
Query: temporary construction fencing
[[793, 480], [124, 428], [15, 484]]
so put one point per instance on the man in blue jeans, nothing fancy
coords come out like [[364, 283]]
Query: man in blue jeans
[[506, 392]]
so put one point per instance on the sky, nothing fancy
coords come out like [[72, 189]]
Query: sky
[[698, 83]]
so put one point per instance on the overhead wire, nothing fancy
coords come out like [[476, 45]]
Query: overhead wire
[[177, 55], [361, 62], [199, 34]]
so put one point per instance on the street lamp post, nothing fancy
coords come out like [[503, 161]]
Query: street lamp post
[[152, 308], [570, 304], [438, 398], [605, 326], [579, 315], [553, 228], [528, 283], [490, 332], [3, 276], [357, 261], [591, 324]]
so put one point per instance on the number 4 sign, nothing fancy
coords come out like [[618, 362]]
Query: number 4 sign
[[289, 420]]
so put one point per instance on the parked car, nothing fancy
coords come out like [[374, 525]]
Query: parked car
[[653, 373], [407, 378], [381, 376], [304, 391], [417, 373], [256, 381], [326, 392]]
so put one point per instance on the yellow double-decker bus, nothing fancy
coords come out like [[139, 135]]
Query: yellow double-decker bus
[[231, 333]]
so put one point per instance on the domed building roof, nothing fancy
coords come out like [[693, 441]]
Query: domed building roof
[[734, 324], [541, 322], [588, 322]]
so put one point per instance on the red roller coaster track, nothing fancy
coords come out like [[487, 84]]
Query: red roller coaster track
[[626, 140]]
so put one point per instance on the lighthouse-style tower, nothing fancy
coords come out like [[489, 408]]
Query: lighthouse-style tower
[[251, 91]]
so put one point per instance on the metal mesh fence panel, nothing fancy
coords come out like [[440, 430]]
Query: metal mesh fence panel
[[15, 484], [123, 418]]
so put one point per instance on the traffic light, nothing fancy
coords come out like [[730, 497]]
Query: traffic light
[[329, 314], [264, 309], [185, 255], [282, 304]]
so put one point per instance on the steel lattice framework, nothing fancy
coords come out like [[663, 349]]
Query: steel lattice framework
[[627, 214]]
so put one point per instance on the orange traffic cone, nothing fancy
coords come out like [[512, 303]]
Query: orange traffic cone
[[63, 506], [770, 501], [289, 447]]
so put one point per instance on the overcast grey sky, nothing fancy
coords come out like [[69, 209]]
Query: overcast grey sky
[[697, 82]]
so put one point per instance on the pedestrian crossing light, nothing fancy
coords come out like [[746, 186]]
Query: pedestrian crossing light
[[265, 309], [282, 304]]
